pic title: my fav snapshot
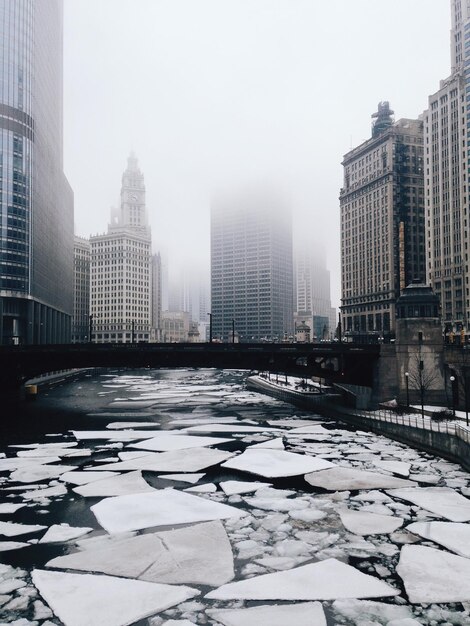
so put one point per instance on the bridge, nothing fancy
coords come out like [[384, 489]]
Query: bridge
[[345, 362]]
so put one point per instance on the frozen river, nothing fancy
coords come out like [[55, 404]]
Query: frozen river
[[179, 497]]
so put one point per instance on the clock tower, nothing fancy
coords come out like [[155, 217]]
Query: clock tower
[[132, 212]]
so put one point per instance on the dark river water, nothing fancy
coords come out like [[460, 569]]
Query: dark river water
[[288, 525]]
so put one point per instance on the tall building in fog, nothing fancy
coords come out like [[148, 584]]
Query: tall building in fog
[[81, 290], [251, 266], [312, 294], [156, 291], [36, 202], [121, 267], [447, 170], [382, 222]]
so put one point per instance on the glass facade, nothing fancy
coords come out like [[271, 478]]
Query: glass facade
[[36, 202]]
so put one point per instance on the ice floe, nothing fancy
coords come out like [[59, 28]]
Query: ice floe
[[395, 467], [83, 478], [442, 501], [303, 614], [200, 554], [36, 473], [325, 580], [48, 492], [341, 478], [184, 478], [121, 435], [163, 508], [98, 600], [120, 485], [191, 460], [172, 441], [12, 529], [451, 535], [275, 463], [432, 575], [362, 611], [364, 523], [231, 487], [6, 508], [13, 545], [58, 533]]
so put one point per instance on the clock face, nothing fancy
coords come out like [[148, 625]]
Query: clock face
[[132, 197]]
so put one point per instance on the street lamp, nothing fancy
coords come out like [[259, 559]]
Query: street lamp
[[407, 380], [452, 380]]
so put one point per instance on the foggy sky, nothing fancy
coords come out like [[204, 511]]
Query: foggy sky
[[212, 93]]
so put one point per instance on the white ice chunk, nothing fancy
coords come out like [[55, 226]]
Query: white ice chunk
[[124, 425], [364, 610], [36, 473], [79, 599], [395, 467], [275, 444], [184, 478], [451, 535], [231, 487], [7, 508], [442, 501], [12, 545], [226, 428], [207, 488], [83, 478], [199, 554], [171, 441], [325, 580], [432, 575], [344, 478], [192, 460], [48, 492], [58, 533], [372, 496], [304, 614], [12, 529], [162, 508], [363, 523], [275, 463], [119, 485], [17, 462]]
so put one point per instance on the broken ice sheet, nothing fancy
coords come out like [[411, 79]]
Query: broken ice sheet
[[82, 478], [360, 611], [200, 554], [275, 463], [395, 467], [325, 580], [48, 492], [12, 529], [122, 435], [6, 508], [12, 545], [58, 533], [191, 460], [442, 501], [79, 599], [36, 473], [119, 485], [184, 478], [344, 478], [451, 535], [162, 508], [231, 487], [364, 523], [303, 614], [173, 441], [432, 575]]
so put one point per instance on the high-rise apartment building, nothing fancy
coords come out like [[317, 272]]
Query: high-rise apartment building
[[251, 267], [382, 223], [121, 268], [81, 291], [312, 295], [446, 137], [36, 202]]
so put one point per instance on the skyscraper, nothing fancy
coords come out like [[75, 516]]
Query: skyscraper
[[446, 137], [121, 268], [251, 266], [382, 222], [36, 202], [312, 289]]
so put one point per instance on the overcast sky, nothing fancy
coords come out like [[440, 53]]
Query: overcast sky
[[209, 93]]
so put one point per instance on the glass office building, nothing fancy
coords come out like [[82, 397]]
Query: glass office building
[[36, 202]]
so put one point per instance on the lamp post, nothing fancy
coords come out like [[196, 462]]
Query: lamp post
[[452, 380], [407, 380], [210, 327]]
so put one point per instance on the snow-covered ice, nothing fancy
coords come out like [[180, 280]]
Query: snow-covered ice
[[162, 508], [325, 580], [364, 523], [36, 473], [452, 535], [166, 441], [275, 463], [432, 575], [442, 501], [184, 478], [200, 554], [13, 545], [341, 478], [302, 614], [58, 533], [12, 529], [79, 599], [82, 478], [395, 467], [119, 485]]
